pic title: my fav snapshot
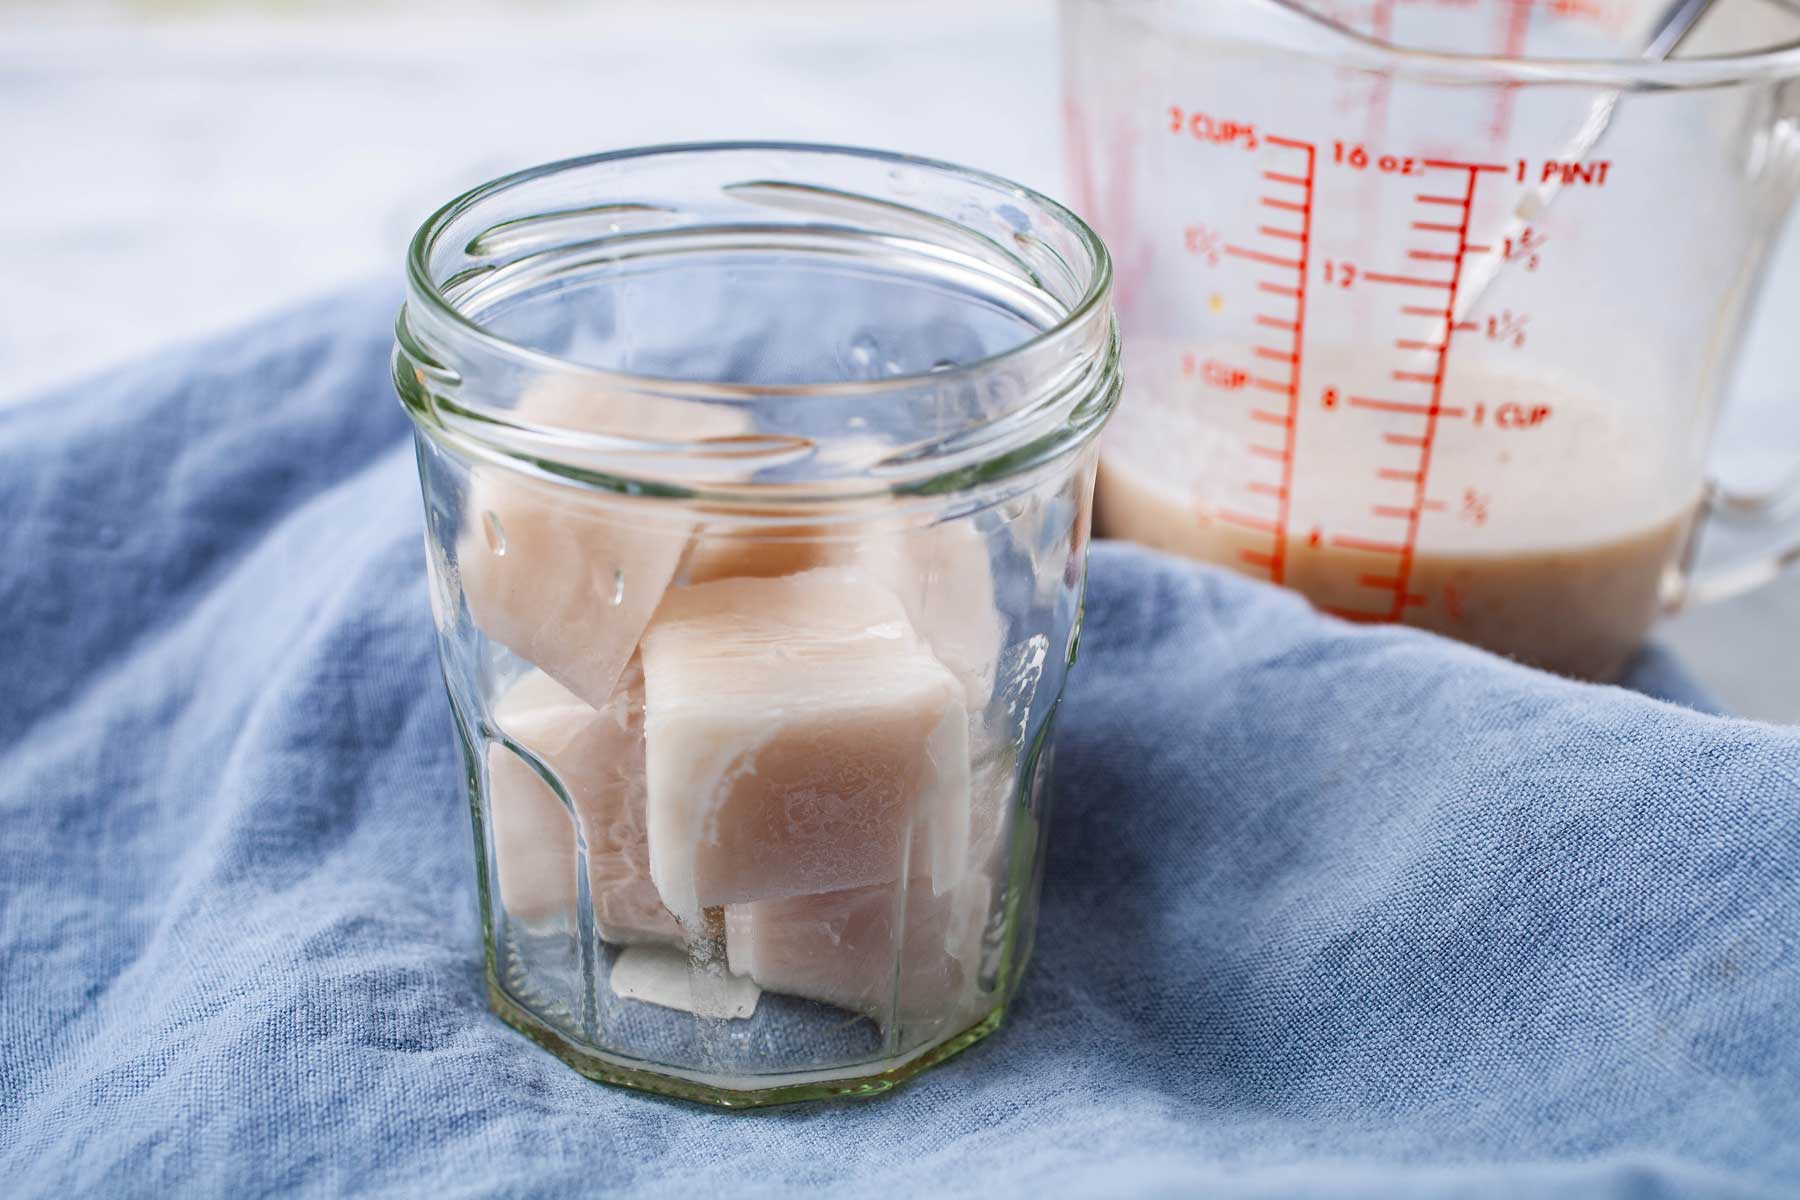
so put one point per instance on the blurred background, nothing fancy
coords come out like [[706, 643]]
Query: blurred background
[[174, 169]]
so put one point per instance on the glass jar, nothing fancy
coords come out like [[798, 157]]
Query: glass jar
[[757, 483]]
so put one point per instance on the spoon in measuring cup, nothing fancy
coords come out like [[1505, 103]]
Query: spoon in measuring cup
[[1670, 29]]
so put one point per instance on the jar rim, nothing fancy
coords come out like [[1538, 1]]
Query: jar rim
[[448, 361], [422, 288]]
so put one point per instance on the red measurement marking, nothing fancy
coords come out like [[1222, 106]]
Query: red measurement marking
[[1248, 521], [1202, 242], [1465, 205], [1394, 473], [1512, 44], [1351, 543], [1381, 28], [1278, 568], [1434, 227], [1451, 164], [1417, 311], [1407, 280], [1402, 439], [1414, 377], [1474, 249], [1259, 256], [1352, 614], [1386, 405], [1274, 559], [1462, 325], [1415, 410], [1392, 511], [1587, 10], [1410, 344], [1214, 373], [1430, 256], [1434, 506], [1507, 327], [1440, 200], [1512, 415], [1524, 246]]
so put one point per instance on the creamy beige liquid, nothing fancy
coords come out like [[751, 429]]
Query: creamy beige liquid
[[1554, 544]]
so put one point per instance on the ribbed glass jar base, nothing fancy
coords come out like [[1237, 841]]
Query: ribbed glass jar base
[[759, 1092]]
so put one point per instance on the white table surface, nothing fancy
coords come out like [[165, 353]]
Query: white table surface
[[171, 174]]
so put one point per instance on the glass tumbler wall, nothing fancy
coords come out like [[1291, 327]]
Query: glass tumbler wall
[[1430, 306], [757, 482]]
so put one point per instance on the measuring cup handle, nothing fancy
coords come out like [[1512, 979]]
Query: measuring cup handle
[[1774, 509]]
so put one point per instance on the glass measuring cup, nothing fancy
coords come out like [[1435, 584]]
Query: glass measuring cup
[[1434, 337]]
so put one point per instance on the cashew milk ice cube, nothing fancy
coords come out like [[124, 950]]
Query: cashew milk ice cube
[[800, 737], [941, 573], [944, 577], [732, 547], [597, 758], [568, 578], [888, 951]]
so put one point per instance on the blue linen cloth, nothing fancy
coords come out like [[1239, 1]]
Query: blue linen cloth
[[1329, 912]]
